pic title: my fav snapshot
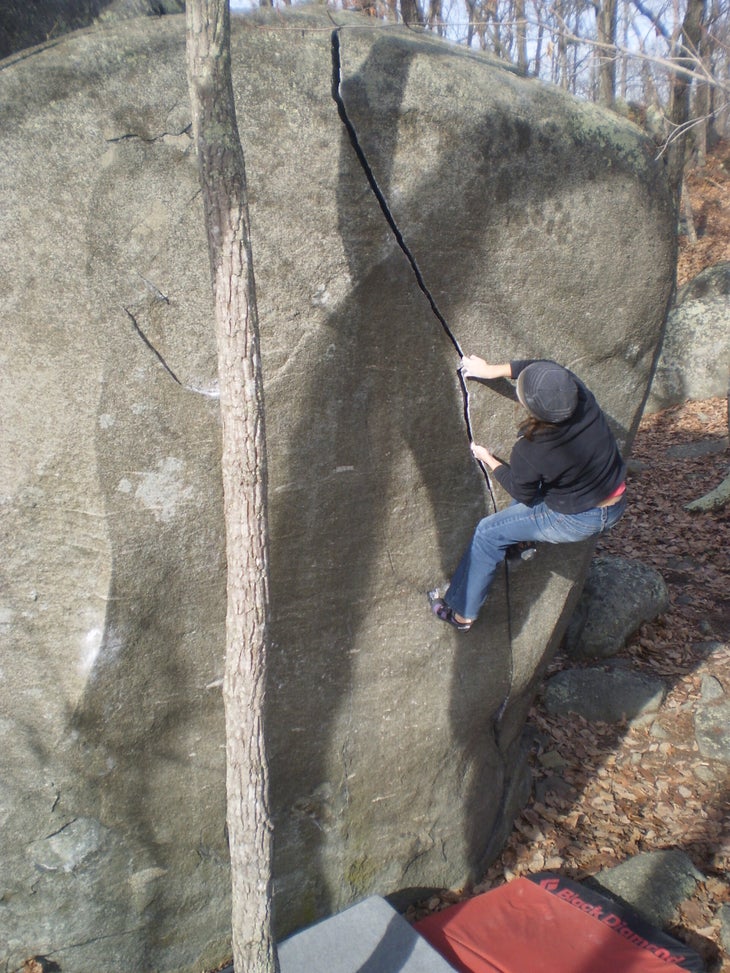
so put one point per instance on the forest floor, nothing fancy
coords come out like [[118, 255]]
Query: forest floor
[[630, 789], [709, 193]]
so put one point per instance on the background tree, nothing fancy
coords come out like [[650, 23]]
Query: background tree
[[686, 58], [223, 183], [521, 36], [704, 95], [606, 23]]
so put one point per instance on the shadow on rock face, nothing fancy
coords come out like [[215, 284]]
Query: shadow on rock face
[[24, 24]]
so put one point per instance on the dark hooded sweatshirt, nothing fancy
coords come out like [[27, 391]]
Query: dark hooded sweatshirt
[[572, 466]]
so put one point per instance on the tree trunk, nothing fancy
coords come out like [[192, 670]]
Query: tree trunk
[[492, 14], [411, 12], [704, 91], [521, 32], [435, 17], [538, 51], [625, 45], [680, 110], [223, 183], [471, 9], [606, 35]]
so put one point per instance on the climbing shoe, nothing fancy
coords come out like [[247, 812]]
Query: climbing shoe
[[442, 611], [522, 551]]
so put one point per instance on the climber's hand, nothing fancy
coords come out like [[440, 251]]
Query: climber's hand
[[472, 366], [484, 456]]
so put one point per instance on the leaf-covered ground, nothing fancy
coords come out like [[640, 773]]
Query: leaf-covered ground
[[610, 792], [709, 193]]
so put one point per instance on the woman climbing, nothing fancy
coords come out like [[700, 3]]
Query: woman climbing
[[565, 474]]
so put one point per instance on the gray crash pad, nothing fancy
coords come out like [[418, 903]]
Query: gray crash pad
[[369, 937]]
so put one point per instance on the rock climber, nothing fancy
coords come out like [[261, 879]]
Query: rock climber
[[565, 475]]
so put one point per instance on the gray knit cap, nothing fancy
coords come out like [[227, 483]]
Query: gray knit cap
[[548, 391]]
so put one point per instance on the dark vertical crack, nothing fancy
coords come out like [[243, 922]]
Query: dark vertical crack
[[400, 240], [390, 219], [378, 193]]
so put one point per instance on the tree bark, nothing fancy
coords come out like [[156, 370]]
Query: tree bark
[[680, 110], [411, 12], [689, 217], [223, 183], [714, 500], [435, 17], [521, 36], [606, 19]]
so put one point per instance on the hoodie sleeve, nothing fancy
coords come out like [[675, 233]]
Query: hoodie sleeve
[[519, 477], [519, 365]]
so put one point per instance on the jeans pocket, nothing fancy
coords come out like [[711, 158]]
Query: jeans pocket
[[614, 513], [580, 526]]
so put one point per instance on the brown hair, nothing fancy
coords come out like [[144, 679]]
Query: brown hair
[[531, 426]]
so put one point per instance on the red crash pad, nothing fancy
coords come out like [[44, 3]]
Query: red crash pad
[[549, 924]]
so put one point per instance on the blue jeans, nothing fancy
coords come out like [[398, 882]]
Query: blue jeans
[[494, 534]]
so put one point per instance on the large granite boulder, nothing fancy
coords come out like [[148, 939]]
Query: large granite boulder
[[539, 226]]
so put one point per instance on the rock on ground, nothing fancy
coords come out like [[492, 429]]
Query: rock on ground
[[712, 727], [653, 884], [24, 24], [618, 596], [604, 695]]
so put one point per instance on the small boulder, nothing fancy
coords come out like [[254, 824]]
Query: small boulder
[[618, 596], [711, 689], [652, 884], [712, 729], [708, 649], [713, 283], [725, 928], [607, 696], [24, 24]]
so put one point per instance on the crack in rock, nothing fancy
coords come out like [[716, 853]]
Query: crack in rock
[[391, 221], [400, 239], [152, 348], [212, 392], [127, 136]]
